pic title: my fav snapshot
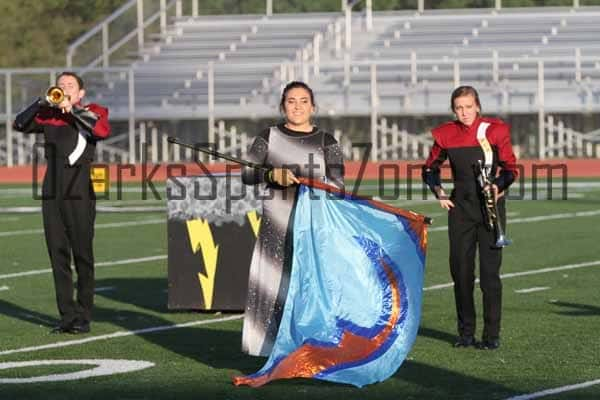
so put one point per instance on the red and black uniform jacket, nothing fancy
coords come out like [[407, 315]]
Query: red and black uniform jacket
[[62, 130], [459, 143]]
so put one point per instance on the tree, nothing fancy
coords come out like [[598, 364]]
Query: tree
[[37, 33]]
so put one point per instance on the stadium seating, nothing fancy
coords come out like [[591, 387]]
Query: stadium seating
[[419, 59]]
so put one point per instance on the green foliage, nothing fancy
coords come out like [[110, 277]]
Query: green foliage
[[37, 33], [304, 6], [231, 7]]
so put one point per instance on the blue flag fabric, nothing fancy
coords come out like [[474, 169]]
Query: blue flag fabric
[[354, 300]]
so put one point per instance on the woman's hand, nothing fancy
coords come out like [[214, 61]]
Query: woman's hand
[[445, 202], [283, 177], [497, 195]]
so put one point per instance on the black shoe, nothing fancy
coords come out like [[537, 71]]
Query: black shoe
[[63, 327], [60, 329], [488, 344], [465, 341], [78, 328]]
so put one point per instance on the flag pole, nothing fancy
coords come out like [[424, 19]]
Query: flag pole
[[215, 153], [171, 139]]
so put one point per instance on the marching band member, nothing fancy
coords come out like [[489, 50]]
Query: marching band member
[[466, 141], [68, 204]]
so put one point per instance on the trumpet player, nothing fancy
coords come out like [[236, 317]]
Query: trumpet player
[[68, 203], [465, 141]]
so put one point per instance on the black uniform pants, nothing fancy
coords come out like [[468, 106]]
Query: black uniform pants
[[69, 212], [468, 234]]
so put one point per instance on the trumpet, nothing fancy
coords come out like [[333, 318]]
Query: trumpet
[[55, 95], [490, 209]]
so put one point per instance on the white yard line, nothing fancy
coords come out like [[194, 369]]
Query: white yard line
[[4, 288], [98, 264], [557, 390], [98, 226], [96, 367], [118, 335], [527, 196], [416, 186], [442, 286], [21, 210], [99, 208], [532, 289], [113, 190], [128, 209], [538, 218], [433, 229], [105, 289], [531, 272]]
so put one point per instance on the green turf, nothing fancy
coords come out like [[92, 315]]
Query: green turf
[[549, 337]]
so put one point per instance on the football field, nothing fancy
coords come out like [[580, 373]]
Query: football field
[[141, 350]]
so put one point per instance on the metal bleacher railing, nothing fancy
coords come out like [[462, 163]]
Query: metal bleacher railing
[[369, 64]]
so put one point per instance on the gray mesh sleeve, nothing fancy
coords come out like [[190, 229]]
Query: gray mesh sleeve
[[257, 154], [334, 161]]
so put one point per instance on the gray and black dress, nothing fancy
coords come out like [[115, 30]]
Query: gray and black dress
[[314, 155]]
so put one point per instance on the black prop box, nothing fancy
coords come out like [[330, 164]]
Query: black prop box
[[212, 226]]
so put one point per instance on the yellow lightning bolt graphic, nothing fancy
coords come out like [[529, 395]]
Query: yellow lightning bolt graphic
[[254, 221], [201, 238]]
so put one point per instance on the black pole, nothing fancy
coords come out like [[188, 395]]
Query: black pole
[[236, 160], [215, 153]]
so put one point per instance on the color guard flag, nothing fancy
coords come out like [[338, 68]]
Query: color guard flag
[[354, 301]]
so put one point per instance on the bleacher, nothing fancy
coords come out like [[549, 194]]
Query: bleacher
[[406, 64], [494, 51], [172, 74], [419, 58]]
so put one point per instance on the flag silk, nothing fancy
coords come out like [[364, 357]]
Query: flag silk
[[353, 306]]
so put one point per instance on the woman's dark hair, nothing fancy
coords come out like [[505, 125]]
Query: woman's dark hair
[[74, 75], [465, 91], [293, 85]]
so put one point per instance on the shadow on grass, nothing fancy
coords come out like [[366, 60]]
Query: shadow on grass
[[438, 335], [210, 345], [577, 309], [218, 348], [24, 314], [432, 381], [145, 293]]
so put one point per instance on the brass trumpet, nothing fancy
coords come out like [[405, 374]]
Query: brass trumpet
[[492, 218], [55, 95]]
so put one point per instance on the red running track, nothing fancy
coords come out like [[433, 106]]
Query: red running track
[[574, 168]]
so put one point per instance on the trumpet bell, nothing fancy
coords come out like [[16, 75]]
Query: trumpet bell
[[55, 95], [502, 241]]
